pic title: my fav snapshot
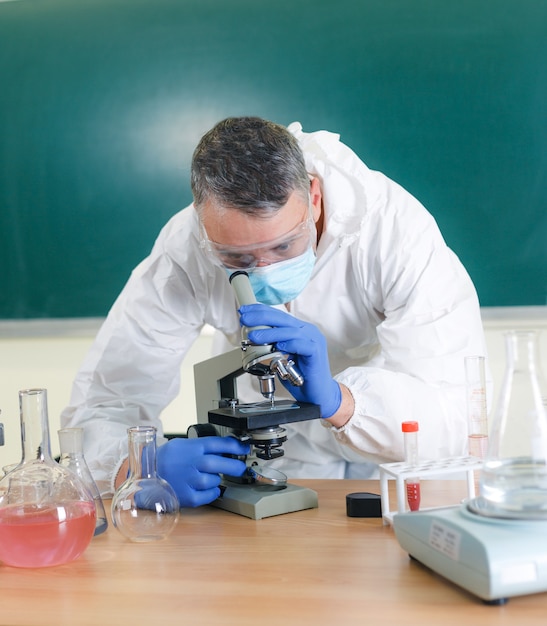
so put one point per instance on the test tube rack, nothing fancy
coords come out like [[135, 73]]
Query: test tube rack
[[425, 469]]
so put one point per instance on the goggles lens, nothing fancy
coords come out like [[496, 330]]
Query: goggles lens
[[287, 246]]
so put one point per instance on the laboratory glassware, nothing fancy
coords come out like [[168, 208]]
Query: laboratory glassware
[[145, 507], [72, 457], [7, 468], [541, 371], [514, 476], [477, 419], [413, 489], [47, 516]]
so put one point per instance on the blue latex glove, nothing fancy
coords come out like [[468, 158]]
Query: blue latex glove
[[305, 344], [192, 466]]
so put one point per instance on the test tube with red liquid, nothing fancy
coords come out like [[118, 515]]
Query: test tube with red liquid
[[413, 493]]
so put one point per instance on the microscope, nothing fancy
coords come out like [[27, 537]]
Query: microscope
[[261, 491]]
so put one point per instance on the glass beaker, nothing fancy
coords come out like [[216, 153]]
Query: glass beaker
[[145, 507], [72, 457], [514, 475], [47, 516]]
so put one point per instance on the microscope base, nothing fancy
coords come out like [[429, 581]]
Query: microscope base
[[261, 501]]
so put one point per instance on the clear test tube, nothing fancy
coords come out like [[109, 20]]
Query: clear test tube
[[477, 421], [413, 490]]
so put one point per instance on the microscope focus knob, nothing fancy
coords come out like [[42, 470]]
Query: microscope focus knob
[[201, 430]]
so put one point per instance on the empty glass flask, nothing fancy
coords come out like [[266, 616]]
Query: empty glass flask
[[72, 457], [145, 507], [47, 515], [514, 476]]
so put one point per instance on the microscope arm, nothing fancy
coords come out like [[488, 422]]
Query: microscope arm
[[262, 360]]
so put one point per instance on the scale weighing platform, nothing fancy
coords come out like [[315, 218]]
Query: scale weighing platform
[[491, 557]]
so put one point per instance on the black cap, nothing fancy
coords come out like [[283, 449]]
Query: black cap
[[363, 504]]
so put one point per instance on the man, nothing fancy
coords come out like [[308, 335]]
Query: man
[[363, 293]]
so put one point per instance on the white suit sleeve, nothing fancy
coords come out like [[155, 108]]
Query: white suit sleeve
[[132, 370], [431, 321]]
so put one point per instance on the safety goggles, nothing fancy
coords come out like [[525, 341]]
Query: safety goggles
[[287, 246]]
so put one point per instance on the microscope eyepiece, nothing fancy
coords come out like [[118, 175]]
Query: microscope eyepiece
[[237, 273]]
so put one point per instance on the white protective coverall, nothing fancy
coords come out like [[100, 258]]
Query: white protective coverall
[[397, 308]]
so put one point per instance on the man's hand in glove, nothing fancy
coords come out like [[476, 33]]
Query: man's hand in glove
[[305, 344], [192, 466]]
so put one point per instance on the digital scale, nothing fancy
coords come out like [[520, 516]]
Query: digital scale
[[491, 557]]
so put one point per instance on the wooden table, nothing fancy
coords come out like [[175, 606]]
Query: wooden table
[[312, 567]]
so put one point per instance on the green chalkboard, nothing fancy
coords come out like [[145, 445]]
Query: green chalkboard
[[103, 101]]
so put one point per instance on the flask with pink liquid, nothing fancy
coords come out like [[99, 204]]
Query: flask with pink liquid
[[47, 515]]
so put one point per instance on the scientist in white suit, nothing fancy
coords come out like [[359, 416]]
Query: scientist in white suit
[[355, 282]]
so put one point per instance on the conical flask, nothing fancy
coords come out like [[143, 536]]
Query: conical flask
[[72, 457], [145, 507], [47, 516], [514, 476]]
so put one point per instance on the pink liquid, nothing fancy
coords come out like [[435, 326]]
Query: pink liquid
[[35, 537], [413, 495], [478, 445]]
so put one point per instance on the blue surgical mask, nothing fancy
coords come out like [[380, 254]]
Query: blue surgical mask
[[282, 282]]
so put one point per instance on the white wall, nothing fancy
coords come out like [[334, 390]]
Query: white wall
[[497, 320], [48, 353]]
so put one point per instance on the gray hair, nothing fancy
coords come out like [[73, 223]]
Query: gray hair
[[250, 164]]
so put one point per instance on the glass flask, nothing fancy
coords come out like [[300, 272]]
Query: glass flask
[[514, 476], [145, 507], [72, 457], [47, 516]]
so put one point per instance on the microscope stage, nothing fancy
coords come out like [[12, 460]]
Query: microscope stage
[[245, 417]]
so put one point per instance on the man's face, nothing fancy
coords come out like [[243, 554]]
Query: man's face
[[239, 239]]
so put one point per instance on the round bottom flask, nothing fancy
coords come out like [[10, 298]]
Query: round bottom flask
[[145, 507], [72, 457], [47, 516]]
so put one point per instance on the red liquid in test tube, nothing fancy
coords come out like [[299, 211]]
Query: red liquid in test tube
[[413, 493]]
